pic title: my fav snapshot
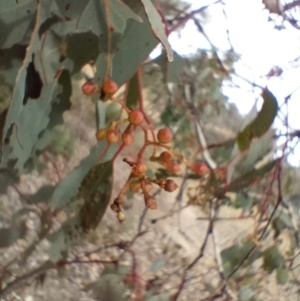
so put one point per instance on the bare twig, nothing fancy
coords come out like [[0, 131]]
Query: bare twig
[[19, 281]]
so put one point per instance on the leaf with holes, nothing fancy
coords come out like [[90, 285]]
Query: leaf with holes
[[28, 113]]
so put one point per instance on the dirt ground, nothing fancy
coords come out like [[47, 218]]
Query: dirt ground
[[166, 247]]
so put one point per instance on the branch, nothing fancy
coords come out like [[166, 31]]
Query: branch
[[198, 128], [291, 5], [19, 281]]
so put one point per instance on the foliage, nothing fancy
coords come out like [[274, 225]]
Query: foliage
[[161, 116]]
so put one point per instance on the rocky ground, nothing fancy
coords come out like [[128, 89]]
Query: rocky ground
[[172, 238]]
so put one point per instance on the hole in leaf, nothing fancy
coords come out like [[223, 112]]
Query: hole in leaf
[[33, 84], [9, 133], [47, 24]]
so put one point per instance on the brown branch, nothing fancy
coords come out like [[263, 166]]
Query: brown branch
[[19, 281], [182, 20]]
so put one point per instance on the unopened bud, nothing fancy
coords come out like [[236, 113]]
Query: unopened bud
[[121, 216], [141, 169], [199, 168], [136, 117], [127, 138], [89, 88], [170, 185], [165, 157], [110, 87], [114, 207], [173, 166], [112, 136]]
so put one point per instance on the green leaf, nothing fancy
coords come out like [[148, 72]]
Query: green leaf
[[109, 287], [242, 201], [209, 287], [77, 46], [9, 236], [132, 95], [246, 293], [11, 60], [278, 225], [92, 27], [61, 104], [248, 178], [33, 93], [272, 259], [161, 297], [171, 70], [87, 209], [120, 270], [245, 161], [132, 51], [157, 27], [69, 186], [7, 177], [233, 255], [43, 195], [29, 121], [16, 21], [282, 275], [262, 122], [94, 18]]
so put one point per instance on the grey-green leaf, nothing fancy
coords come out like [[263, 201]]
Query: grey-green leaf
[[282, 275], [157, 27], [273, 259], [69, 186]]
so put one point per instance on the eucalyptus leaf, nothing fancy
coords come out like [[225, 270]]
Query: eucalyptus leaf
[[69, 186], [9, 236], [282, 275], [272, 259], [87, 207], [158, 27], [262, 122]]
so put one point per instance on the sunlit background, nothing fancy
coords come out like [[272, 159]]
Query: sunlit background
[[244, 25]]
